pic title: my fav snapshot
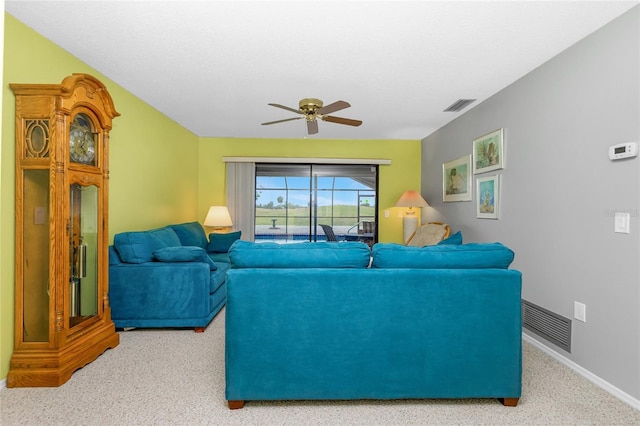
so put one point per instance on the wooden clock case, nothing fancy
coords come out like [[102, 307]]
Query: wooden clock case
[[62, 313]]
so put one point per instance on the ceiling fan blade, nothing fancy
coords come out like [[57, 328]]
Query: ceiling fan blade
[[336, 106], [340, 120], [312, 127], [297, 111], [281, 121]]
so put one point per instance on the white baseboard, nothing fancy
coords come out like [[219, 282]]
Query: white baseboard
[[623, 396], [3, 383]]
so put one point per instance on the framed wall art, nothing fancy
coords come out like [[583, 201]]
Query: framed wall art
[[488, 197], [488, 152], [456, 180]]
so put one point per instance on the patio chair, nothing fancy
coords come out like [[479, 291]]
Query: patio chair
[[328, 232]]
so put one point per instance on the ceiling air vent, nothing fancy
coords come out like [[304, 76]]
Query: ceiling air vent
[[459, 105]]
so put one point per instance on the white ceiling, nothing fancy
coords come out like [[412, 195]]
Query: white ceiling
[[213, 66]]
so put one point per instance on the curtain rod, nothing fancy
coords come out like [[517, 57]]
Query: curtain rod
[[314, 160]]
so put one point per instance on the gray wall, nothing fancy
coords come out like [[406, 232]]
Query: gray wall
[[559, 192]]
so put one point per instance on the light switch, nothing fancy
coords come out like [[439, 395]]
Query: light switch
[[621, 224], [580, 311]]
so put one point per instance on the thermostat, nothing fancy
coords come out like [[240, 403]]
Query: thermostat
[[623, 150]]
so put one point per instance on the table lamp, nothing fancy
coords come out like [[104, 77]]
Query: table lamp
[[218, 217], [410, 199]]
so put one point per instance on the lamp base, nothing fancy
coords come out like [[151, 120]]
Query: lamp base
[[409, 226], [220, 229]]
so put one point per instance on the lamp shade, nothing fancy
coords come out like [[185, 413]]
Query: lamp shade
[[218, 216], [411, 199]]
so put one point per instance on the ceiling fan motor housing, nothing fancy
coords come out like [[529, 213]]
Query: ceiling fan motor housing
[[310, 106]]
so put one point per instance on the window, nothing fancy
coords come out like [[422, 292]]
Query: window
[[293, 200]]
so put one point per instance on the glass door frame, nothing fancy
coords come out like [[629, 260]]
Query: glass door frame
[[314, 190]]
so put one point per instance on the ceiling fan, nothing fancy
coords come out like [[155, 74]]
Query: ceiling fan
[[311, 109]]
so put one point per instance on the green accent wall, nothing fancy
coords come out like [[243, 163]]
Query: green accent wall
[[153, 160], [160, 173]]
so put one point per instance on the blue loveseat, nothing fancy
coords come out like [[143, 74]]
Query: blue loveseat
[[318, 321], [168, 277]]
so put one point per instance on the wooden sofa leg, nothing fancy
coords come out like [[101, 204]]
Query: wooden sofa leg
[[199, 329], [235, 405], [509, 402]]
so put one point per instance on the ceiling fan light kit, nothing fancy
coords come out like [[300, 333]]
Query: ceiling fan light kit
[[311, 109]]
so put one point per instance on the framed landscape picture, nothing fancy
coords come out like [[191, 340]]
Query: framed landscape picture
[[488, 194], [456, 180], [488, 152]]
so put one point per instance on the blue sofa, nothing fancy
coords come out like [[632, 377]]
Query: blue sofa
[[320, 321], [168, 277]]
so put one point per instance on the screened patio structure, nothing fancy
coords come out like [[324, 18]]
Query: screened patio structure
[[294, 200]]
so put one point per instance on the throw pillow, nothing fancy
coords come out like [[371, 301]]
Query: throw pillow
[[220, 243], [184, 254], [455, 239]]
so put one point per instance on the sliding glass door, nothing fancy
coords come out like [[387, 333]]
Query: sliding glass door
[[293, 201]]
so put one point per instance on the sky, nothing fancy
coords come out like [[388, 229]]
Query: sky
[[270, 188]]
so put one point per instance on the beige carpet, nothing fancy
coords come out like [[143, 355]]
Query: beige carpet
[[162, 377]]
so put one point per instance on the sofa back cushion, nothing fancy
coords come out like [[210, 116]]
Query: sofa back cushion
[[138, 246], [191, 234], [447, 256], [247, 254]]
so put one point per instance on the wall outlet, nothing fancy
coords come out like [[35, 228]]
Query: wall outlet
[[580, 311], [386, 213]]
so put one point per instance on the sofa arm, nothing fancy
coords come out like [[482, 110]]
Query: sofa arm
[[158, 290]]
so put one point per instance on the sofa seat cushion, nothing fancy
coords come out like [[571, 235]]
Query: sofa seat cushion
[[247, 254], [463, 256], [219, 258], [184, 254], [191, 234], [138, 246]]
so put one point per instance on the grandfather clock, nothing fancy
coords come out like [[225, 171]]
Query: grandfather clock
[[63, 319]]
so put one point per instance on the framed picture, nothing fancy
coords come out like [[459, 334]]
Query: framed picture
[[488, 152], [488, 197], [456, 180]]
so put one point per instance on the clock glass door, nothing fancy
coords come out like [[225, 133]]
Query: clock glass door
[[35, 256], [83, 241]]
